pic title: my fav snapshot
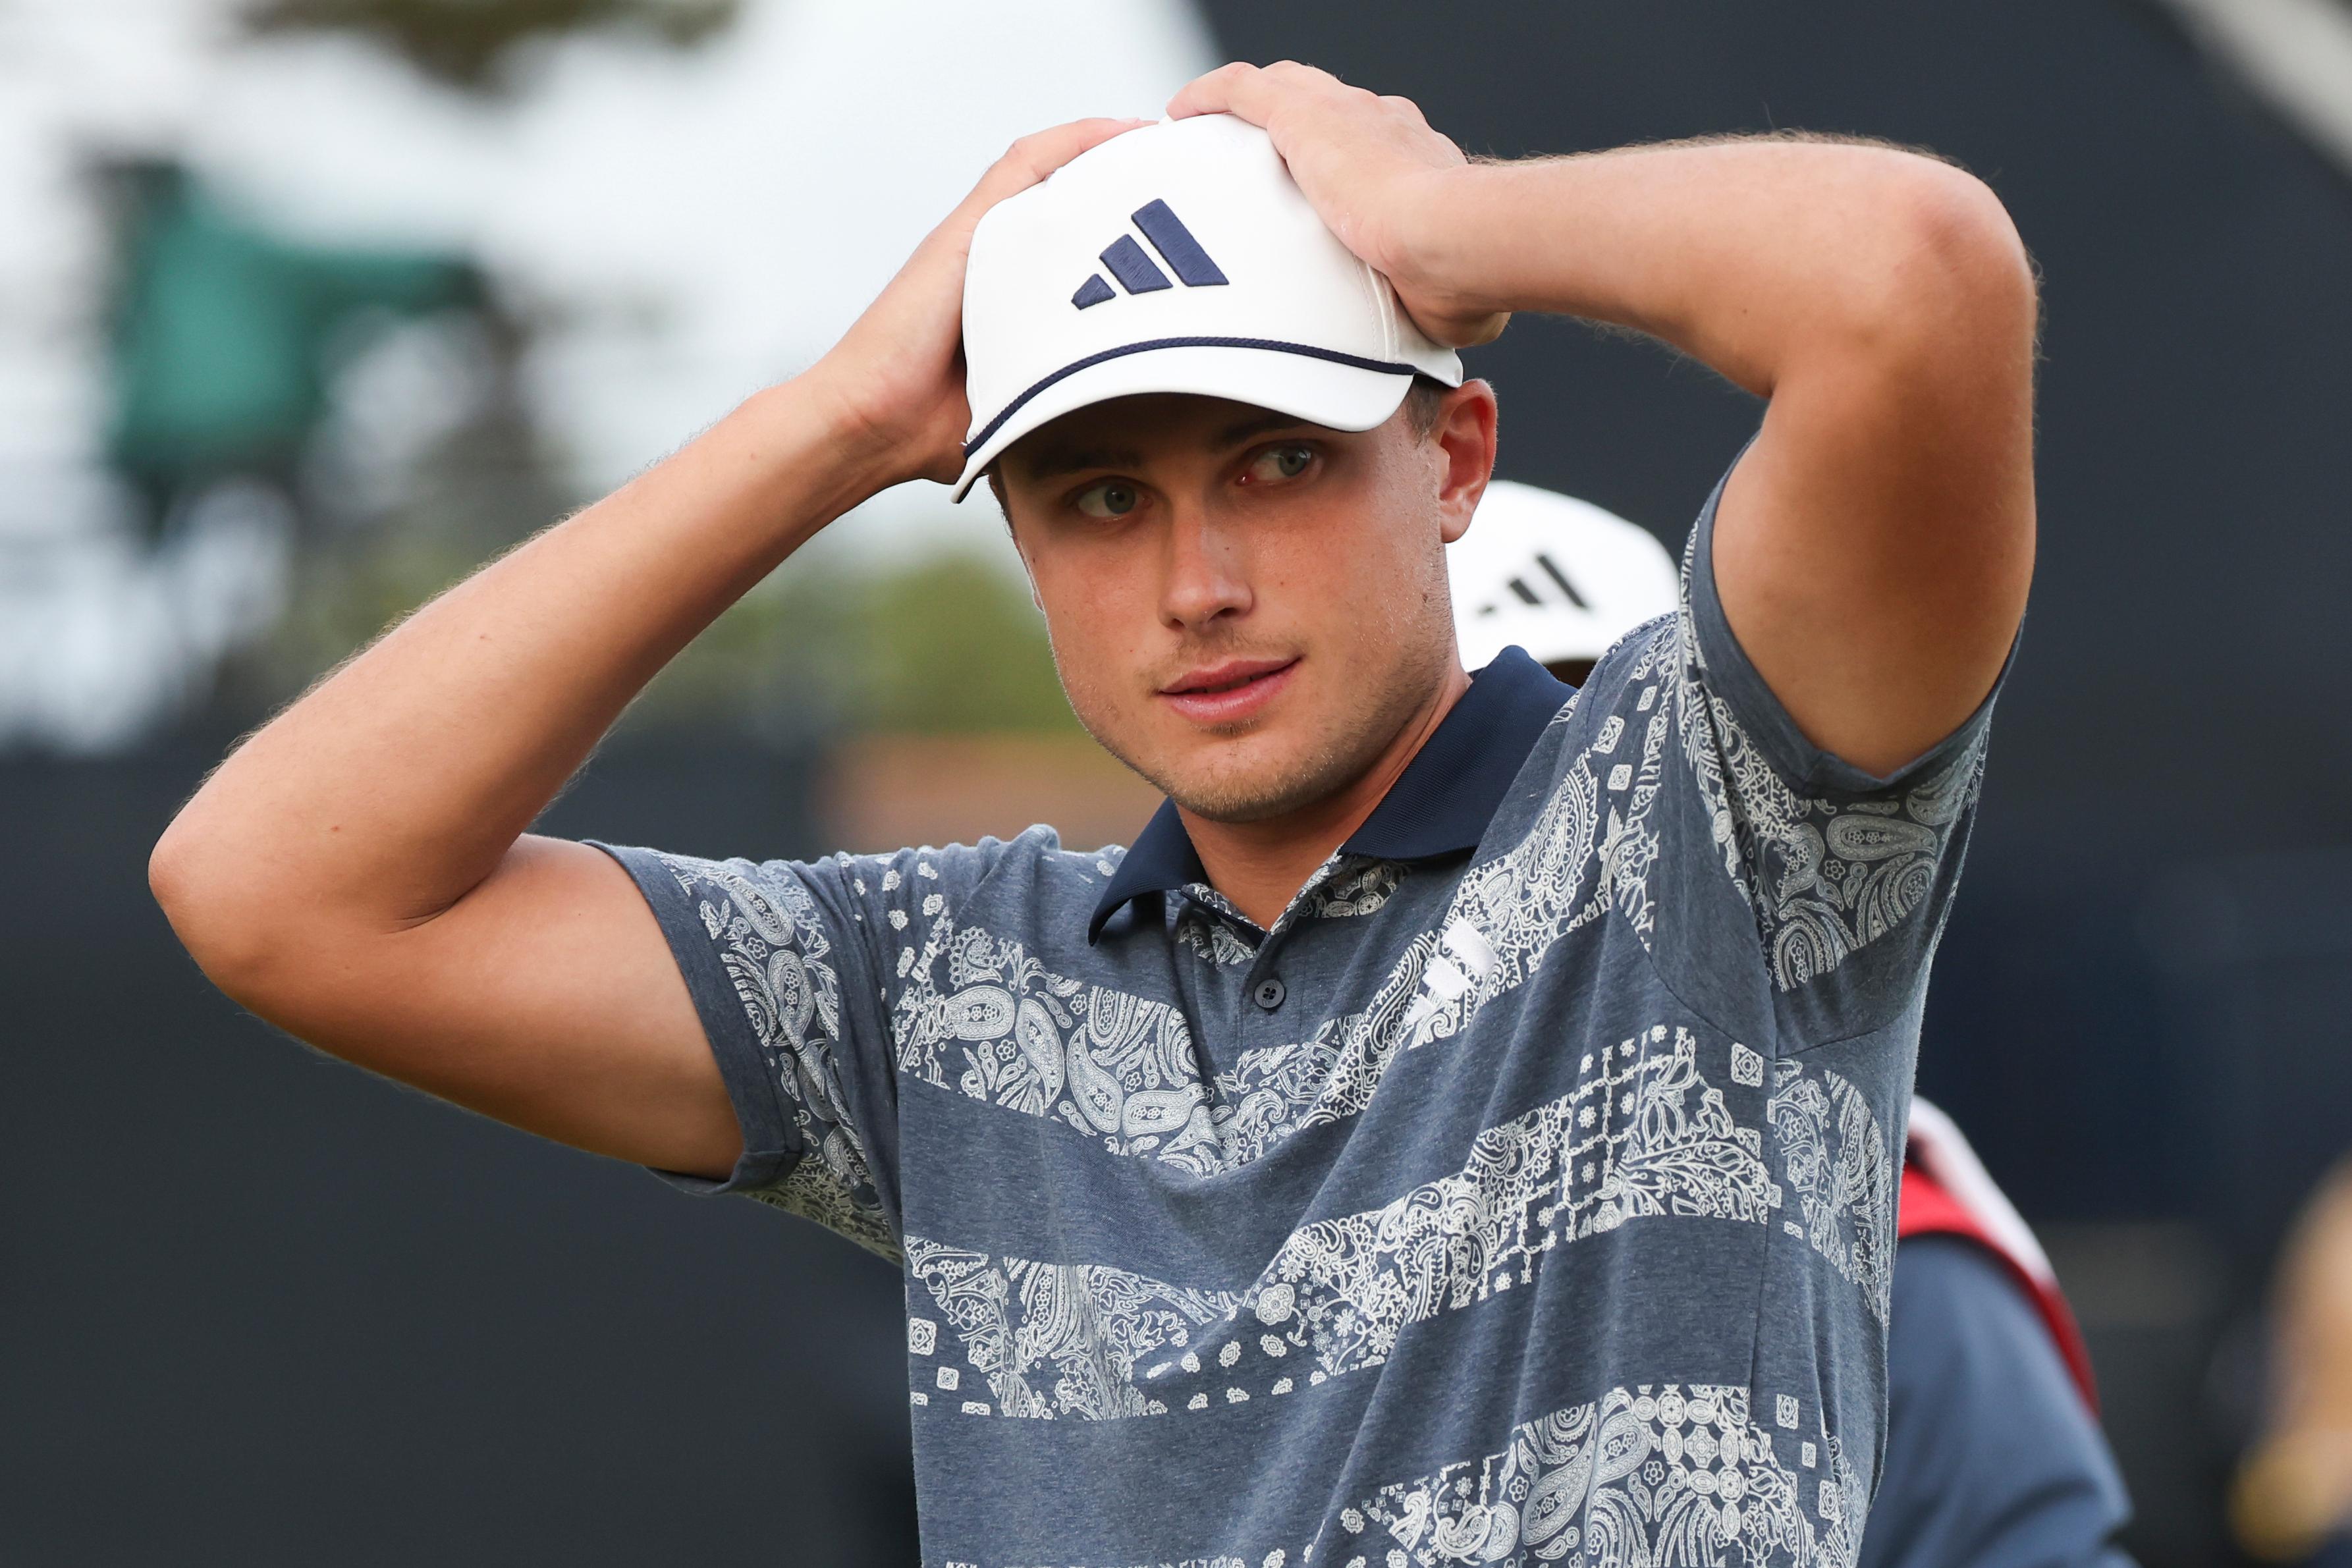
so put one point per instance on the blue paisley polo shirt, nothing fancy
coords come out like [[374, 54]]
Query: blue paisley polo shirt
[[1525, 1194]]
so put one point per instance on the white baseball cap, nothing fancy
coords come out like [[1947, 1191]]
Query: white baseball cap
[[1178, 257], [1559, 577]]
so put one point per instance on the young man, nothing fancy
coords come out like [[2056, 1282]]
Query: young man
[[1464, 1127]]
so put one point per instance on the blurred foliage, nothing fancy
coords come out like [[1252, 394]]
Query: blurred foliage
[[463, 42], [953, 645], [949, 644]]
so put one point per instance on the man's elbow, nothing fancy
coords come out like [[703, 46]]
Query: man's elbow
[[1958, 276], [217, 913]]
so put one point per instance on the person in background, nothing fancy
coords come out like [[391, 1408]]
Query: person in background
[[1994, 1456], [2293, 1501]]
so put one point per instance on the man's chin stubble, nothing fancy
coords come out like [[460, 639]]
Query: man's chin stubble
[[1258, 795]]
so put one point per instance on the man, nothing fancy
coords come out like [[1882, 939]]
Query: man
[[1994, 1457], [1462, 1127]]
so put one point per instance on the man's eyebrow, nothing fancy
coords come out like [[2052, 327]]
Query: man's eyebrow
[[1257, 425], [1056, 461]]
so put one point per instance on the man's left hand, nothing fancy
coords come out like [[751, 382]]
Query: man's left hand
[[1371, 165]]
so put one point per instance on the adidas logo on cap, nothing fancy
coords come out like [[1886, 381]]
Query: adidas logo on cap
[[1134, 270], [1245, 297]]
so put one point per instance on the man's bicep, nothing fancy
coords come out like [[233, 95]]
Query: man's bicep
[[549, 999], [1876, 541]]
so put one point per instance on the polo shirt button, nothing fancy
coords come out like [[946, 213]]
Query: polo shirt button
[[1269, 993]]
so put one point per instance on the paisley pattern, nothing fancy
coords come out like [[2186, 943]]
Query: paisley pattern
[[1643, 1136], [1112, 1065], [1200, 932], [1653, 1475], [1837, 1161], [1825, 877], [1057, 1339], [774, 949], [1657, 1476], [1362, 887], [1122, 1068]]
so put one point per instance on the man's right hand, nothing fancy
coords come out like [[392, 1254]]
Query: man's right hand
[[899, 371]]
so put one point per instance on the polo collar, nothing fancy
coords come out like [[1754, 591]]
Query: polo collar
[[1440, 805]]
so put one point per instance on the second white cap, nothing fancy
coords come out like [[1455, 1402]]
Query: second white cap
[[1559, 577]]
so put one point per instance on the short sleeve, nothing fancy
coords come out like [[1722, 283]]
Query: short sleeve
[[1846, 875], [772, 957]]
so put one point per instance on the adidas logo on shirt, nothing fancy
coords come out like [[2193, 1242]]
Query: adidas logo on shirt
[[1133, 266]]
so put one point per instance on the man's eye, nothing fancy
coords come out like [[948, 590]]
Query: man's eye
[[1112, 499], [1281, 463]]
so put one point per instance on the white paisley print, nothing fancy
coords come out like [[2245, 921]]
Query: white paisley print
[[1113, 1065], [1643, 1135], [1057, 1339], [1836, 1159], [1658, 1475], [1825, 877], [1198, 931], [1122, 1068], [774, 949]]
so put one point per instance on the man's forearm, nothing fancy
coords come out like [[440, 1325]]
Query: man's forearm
[[396, 786], [1747, 254]]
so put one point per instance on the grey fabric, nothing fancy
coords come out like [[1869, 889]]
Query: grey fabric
[[1992, 1460], [1550, 1215]]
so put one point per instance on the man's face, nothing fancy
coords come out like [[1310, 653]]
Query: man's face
[[1245, 609]]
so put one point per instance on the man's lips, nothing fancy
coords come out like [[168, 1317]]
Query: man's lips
[[1224, 692]]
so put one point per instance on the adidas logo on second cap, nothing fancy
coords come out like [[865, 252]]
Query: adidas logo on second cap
[[1528, 596], [1133, 266]]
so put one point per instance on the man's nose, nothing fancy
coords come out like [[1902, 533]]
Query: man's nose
[[1205, 576]]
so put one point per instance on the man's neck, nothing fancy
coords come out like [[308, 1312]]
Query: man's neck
[[1260, 866]]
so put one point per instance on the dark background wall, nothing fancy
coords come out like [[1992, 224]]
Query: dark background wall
[[257, 1307]]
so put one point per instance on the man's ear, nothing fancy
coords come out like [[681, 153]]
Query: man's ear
[[1461, 443]]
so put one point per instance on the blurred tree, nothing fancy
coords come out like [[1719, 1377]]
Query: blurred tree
[[948, 646], [463, 42], [953, 644], [220, 333]]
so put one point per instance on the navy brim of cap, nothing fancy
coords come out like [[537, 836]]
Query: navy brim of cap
[[1319, 386]]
